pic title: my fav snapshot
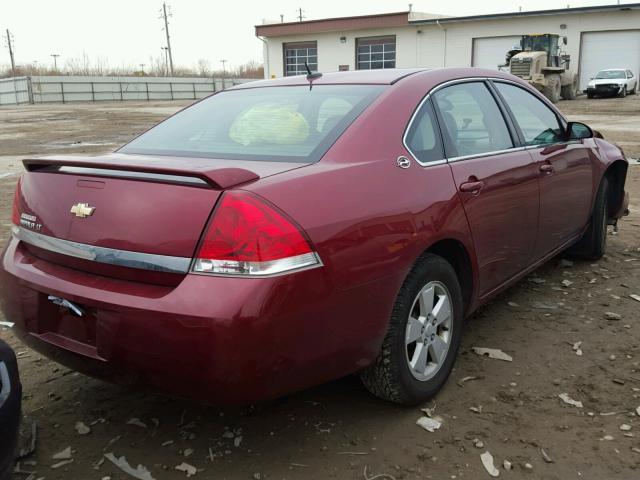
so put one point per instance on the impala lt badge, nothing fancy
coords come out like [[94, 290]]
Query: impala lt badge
[[82, 210]]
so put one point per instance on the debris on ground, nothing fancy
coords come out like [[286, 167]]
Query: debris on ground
[[625, 427], [464, 380], [545, 456], [82, 429], [429, 424], [544, 306], [478, 443], [634, 296], [63, 454], [137, 422], [612, 316], [487, 461], [477, 409], [537, 280], [565, 263], [492, 353], [569, 401], [140, 472], [61, 463], [566, 283], [506, 465], [190, 470], [528, 466], [576, 348]]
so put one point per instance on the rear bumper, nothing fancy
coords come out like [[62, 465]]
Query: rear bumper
[[10, 400], [222, 340]]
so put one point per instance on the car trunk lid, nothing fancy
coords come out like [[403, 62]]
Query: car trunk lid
[[126, 216]]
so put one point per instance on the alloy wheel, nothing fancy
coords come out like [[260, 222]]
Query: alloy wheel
[[429, 331]]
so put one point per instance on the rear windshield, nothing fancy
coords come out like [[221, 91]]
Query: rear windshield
[[611, 74], [289, 124]]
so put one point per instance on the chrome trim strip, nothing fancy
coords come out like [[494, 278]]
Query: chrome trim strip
[[111, 256], [126, 174], [487, 154]]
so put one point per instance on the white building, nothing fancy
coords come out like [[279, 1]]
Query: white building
[[598, 37]]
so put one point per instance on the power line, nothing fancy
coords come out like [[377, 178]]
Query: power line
[[165, 16], [9, 38]]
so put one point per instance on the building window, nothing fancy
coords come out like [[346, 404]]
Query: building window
[[376, 52], [296, 54]]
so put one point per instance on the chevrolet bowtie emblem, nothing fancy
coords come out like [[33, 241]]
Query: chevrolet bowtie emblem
[[82, 210]]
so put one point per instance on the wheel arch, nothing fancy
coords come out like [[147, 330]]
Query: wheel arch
[[455, 252], [616, 174]]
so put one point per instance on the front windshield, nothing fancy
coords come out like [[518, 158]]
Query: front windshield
[[288, 124], [606, 74], [536, 43]]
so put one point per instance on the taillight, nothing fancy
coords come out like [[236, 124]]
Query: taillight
[[15, 214], [248, 236]]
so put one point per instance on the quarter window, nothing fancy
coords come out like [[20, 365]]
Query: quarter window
[[296, 54], [423, 138], [539, 124], [376, 52], [472, 122]]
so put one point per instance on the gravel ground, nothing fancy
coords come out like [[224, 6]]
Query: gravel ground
[[337, 430]]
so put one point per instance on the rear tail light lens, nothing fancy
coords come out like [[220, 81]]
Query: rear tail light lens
[[15, 214], [247, 236]]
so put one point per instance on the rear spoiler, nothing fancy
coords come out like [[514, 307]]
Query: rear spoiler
[[160, 169]]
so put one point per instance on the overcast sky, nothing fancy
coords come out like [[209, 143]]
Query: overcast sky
[[129, 32]]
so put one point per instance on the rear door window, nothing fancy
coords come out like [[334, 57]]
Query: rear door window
[[423, 138], [289, 124], [538, 123], [472, 123]]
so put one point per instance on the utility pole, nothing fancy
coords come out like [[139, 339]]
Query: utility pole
[[166, 61], [142, 67], [224, 72], [55, 61], [166, 30], [10, 46], [301, 14]]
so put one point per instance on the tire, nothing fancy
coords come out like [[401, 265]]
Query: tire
[[391, 377], [552, 88], [590, 95], [593, 244], [633, 91], [623, 93], [570, 92]]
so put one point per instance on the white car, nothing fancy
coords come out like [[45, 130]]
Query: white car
[[613, 81]]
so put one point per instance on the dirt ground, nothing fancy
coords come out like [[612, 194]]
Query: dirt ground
[[338, 430]]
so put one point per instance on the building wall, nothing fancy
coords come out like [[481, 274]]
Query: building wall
[[424, 45]]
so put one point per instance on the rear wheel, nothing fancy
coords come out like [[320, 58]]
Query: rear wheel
[[589, 95], [633, 90], [423, 335], [593, 244], [552, 88]]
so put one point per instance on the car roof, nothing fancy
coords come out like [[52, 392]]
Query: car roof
[[613, 69], [386, 76]]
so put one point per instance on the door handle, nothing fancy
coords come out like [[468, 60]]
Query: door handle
[[547, 168], [472, 187]]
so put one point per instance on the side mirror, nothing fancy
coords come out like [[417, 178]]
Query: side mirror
[[578, 131]]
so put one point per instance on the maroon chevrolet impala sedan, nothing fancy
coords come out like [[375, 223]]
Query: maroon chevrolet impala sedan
[[287, 232]]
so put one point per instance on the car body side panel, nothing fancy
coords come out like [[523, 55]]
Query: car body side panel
[[503, 214], [566, 193]]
